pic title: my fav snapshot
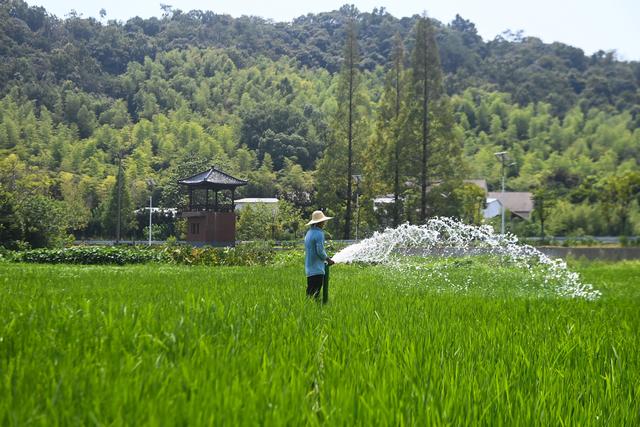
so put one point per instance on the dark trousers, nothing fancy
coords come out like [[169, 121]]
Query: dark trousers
[[314, 285]]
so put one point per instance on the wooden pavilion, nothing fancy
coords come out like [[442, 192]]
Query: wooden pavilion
[[211, 220]]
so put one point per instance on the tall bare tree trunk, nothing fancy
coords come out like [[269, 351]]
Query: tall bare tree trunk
[[425, 147], [398, 58], [351, 64]]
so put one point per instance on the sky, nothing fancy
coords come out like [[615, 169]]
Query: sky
[[588, 24]]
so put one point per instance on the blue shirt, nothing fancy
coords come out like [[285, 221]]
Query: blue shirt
[[314, 254]]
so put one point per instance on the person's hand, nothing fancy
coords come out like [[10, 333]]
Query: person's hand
[[330, 261]]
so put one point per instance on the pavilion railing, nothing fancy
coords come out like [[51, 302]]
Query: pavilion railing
[[202, 207]]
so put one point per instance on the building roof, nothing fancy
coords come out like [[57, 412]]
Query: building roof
[[519, 203], [257, 200], [213, 178]]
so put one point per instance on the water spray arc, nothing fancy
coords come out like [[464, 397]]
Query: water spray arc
[[446, 237]]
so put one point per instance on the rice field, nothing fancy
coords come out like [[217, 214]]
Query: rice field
[[169, 345]]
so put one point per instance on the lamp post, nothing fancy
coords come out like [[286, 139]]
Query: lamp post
[[119, 197], [151, 183], [357, 178], [503, 157]]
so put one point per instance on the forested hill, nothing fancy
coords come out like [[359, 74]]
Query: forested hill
[[38, 47], [88, 108]]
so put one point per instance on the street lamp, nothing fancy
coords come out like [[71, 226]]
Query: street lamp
[[357, 179], [151, 183], [503, 157], [119, 182]]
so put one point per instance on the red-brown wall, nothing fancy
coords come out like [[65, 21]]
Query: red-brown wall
[[214, 227]]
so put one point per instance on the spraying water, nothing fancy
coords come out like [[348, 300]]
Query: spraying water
[[448, 238]]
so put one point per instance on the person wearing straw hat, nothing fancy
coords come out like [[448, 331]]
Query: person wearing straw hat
[[315, 256]]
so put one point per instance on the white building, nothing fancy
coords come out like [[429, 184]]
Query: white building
[[493, 208], [167, 211], [383, 201]]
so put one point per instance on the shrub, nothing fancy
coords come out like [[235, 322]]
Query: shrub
[[626, 241], [290, 257], [259, 253], [89, 255], [245, 254], [6, 255], [256, 222]]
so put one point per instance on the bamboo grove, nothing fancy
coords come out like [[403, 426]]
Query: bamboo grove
[[405, 104]]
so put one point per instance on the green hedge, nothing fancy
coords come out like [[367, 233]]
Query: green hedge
[[89, 255], [246, 254]]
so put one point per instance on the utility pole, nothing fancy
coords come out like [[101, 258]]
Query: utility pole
[[150, 220], [357, 178], [351, 65], [503, 157], [151, 183], [119, 198]]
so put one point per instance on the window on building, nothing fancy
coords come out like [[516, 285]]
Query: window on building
[[195, 228]]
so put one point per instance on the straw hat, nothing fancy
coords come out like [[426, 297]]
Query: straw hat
[[318, 216]]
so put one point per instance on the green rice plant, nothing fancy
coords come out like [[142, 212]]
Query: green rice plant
[[162, 344]]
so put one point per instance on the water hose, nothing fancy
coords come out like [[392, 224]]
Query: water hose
[[325, 285]]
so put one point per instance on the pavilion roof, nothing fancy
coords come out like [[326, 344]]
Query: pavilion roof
[[213, 179]]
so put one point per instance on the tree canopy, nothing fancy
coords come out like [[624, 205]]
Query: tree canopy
[[264, 101]]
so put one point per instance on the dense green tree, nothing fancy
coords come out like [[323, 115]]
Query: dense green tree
[[429, 121], [10, 230], [257, 222], [385, 157], [74, 198], [118, 217], [295, 185], [87, 53], [262, 182], [617, 196], [472, 201], [426, 89], [45, 222], [86, 121], [543, 202], [446, 199], [264, 222], [170, 91], [398, 96], [342, 156], [117, 115], [349, 81], [290, 222]]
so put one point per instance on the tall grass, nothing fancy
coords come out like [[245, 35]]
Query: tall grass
[[173, 345]]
